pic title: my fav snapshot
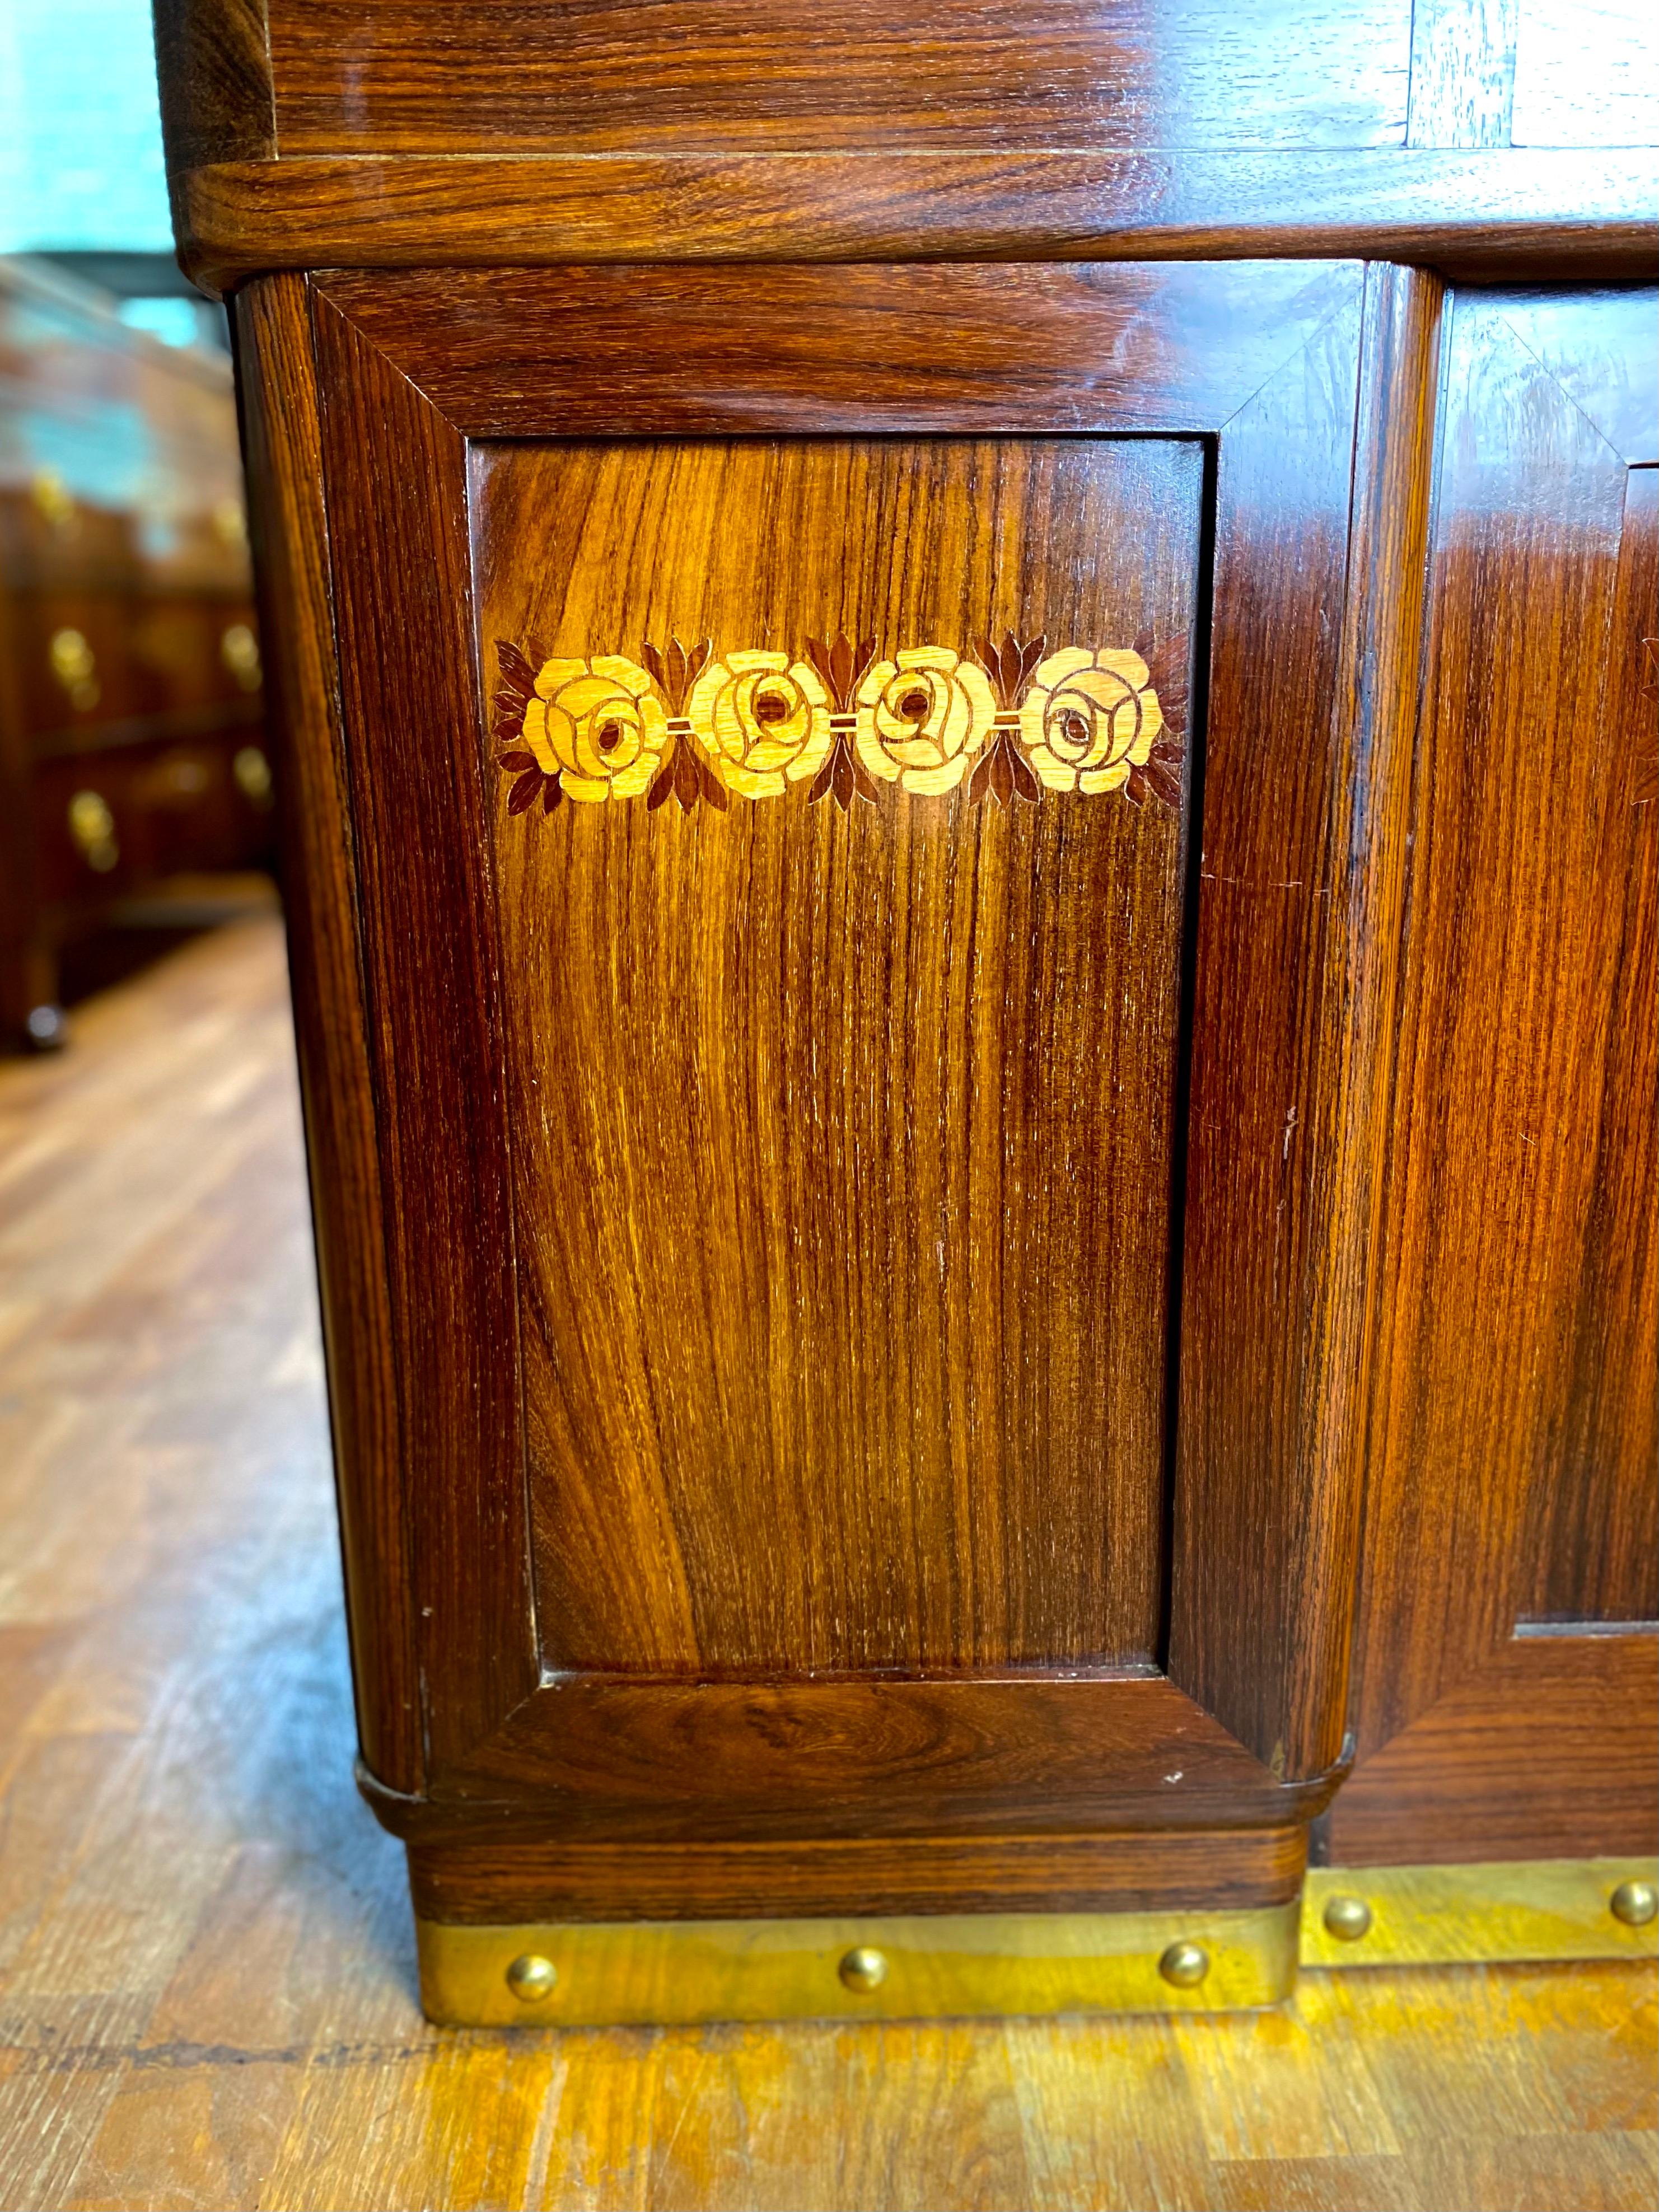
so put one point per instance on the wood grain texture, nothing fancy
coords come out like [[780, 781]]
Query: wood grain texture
[[843, 1153], [1369, 793], [1463, 72], [664, 352], [397, 500], [1263, 1375], [1597, 344], [675, 1761], [282, 432], [1607, 96], [1591, 1533], [1285, 1012], [213, 61], [206, 1972], [1519, 1186], [1544, 212], [411, 76], [492, 1884], [1546, 1749]]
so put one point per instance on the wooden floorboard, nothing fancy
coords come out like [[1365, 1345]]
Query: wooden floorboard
[[206, 1969]]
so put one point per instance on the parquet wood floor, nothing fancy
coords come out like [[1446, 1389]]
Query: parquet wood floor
[[206, 1972]]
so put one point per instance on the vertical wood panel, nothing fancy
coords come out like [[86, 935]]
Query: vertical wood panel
[[1513, 1426], [1266, 1493], [1593, 1535], [398, 522], [277, 381]]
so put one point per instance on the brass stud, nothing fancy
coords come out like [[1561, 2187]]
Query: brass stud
[[1635, 1903], [1184, 1965], [1347, 1919], [864, 1967], [532, 1977]]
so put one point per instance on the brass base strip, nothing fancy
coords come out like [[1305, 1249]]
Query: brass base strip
[[613, 1974], [1511, 1912], [687, 1973]]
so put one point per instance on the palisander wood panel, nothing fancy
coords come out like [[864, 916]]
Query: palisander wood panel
[[277, 380], [1240, 394], [843, 1123], [1506, 1660]]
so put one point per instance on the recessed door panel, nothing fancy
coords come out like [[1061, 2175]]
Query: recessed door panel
[[839, 846]]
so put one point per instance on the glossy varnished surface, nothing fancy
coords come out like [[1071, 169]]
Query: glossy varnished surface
[[666, 350], [843, 1138], [1506, 1680], [206, 1993], [360, 78], [414, 132], [480, 1088], [280, 426], [1559, 214], [534, 78]]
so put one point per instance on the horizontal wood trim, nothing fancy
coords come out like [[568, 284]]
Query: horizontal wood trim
[[1585, 214], [863, 349], [599, 1757], [489, 1884], [1551, 1751], [429, 76]]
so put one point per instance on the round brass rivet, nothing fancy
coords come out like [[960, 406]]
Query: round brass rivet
[[863, 1968], [1185, 1964], [1635, 1903], [532, 1977], [1347, 1919]]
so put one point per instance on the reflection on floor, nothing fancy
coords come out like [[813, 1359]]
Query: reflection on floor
[[205, 1963]]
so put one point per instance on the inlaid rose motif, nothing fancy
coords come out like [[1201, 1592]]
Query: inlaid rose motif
[[922, 717], [1089, 719], [765, 723], [597, 725], [1004, 721]]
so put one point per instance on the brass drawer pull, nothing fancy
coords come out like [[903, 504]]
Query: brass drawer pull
[[92, 826], [75, 668]]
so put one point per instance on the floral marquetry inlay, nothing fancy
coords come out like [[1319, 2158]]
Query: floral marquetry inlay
[[1010, 720]]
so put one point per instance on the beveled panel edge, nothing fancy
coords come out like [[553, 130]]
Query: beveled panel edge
[[596, 1758], [606, 1974], [1497, 210], [1507, 1912], [861, 347], [393, 475]]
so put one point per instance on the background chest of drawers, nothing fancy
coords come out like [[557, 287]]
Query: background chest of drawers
[[969, 716], [131, 732]]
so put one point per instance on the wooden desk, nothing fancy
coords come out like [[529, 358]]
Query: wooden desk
[[971, 792], [133, 741]]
